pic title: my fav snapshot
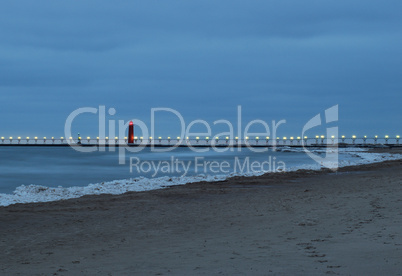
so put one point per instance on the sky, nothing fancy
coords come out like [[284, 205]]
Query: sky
[[278, 60]]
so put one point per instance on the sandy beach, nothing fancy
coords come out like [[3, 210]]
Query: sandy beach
[[300, 223]]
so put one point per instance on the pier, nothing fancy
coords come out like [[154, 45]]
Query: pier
[[318, 141]]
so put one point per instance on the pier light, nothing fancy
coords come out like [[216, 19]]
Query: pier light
[[267, 139], [237, 139], [217, 139], [247, 138], [97, 139], [187, 138], [364, 138], [207, 138], [2, 139], [160, 138], [27, 139], [316, 139], [150, 139], [256, 139], [291, 138], [53, 139], [277, 138], [305, 137], [141, 138], [88, 138], [397, 139], [322, 136], [178, 138], [317, 136], [125, 139], [19, 139], [333, 136], [284, 138], [107, 139], [44, 139], [168, 139], [135, 138], [116, 139], [386, 139], [353, 138], [197, 139], [62, 139], [227, 137], [11, 139]]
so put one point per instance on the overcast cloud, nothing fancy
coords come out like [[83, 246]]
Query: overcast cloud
[[277, 59]]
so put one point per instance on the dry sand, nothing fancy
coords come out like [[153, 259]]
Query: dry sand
[[302, 223]]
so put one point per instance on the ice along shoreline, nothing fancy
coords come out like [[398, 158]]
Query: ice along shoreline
[[37, 193]]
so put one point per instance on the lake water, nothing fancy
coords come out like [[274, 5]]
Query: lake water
[[66, 167]]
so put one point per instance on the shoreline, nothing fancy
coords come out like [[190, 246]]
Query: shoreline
[[274, 176], [303, 222], [27, 194]]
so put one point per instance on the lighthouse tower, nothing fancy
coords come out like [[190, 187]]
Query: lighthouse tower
[[131, 133]]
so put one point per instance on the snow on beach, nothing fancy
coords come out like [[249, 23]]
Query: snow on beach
[[37, 193]]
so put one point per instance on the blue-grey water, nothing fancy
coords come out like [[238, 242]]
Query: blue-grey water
[[64, 166]]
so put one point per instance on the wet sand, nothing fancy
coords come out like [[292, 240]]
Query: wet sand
[[302, 223]]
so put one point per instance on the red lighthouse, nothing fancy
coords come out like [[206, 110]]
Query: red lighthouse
[[131, 133]]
